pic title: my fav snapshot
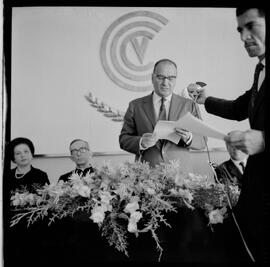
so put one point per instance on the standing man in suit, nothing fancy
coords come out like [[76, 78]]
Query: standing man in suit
[[81, 155], [253, 203], [184, 240], [143, 113], [231, 171]]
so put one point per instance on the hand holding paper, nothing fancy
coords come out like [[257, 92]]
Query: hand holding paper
[[184, 134], [166, 130], [148, 140]]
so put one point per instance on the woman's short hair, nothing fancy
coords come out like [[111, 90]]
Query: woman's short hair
[[17, 141]]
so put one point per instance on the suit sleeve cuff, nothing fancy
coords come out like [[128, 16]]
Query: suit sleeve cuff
[[187, 143], [140, 145]]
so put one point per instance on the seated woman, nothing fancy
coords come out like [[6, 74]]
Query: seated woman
[[25, 175], [23, 243]]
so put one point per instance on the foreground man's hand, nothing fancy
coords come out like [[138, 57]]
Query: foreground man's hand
[[250, 142]]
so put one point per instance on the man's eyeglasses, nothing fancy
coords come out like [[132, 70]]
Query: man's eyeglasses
[[162, 77], [81, 150]]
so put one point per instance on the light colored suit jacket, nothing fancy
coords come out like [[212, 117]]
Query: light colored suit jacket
[[140, 119]]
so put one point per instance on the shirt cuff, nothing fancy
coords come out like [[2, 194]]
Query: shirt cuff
[[140, 145], [188, 142]]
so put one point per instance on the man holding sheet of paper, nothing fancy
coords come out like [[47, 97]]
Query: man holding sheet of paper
[[142, 134], [254, 198], [138, 134]]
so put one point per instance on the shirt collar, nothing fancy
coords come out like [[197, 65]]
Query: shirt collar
[[263, 61], [82, 169], [236, 162], [157, 98]]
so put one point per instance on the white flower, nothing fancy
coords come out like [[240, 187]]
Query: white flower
[[74, 177], [56, 189], [124, 170], [21, 199], [131, 207], [88, 177], [179, 179], [17, 200], [173, 191], [30, 199], [132, 227], [217, 215], [121, 190], [150, 191], [134, 218], [98, 214], [84, 191], [79, 187], [105, 197], [185, 194]]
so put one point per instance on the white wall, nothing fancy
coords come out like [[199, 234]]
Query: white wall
[[56, 62]]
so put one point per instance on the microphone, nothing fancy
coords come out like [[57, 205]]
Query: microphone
[[202, 84], [194, 88]]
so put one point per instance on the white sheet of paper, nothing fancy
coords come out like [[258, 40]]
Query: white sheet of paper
[[197, 126], [165, 130]]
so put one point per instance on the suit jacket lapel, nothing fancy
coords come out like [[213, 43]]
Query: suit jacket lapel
[[173, 114], [149, 109], [150, 112], [234, 170]]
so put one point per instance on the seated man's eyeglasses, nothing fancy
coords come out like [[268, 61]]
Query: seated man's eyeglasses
[[162, 78], [81, 150]]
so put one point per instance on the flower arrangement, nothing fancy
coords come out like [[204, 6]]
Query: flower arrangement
[[129, 198]]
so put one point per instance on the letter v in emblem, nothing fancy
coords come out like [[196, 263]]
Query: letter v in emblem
[[140, 48]]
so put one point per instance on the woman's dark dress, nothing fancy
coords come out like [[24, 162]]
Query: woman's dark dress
[[29, 180], [25, 245]]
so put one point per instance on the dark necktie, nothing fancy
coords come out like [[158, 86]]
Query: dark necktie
[[254, 89], [242, 165], [162, 110], [161, 116]]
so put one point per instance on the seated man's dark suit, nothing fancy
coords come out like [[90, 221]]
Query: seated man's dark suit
[[65, 177], [77, 237], [228, 172], [223, 240]]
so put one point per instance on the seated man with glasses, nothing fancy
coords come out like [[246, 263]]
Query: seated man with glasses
[[81, 155], [78, 238]]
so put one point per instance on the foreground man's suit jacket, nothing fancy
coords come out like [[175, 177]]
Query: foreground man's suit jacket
[[254, 197]]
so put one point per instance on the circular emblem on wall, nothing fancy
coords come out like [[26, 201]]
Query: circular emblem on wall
[[124, 46]]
